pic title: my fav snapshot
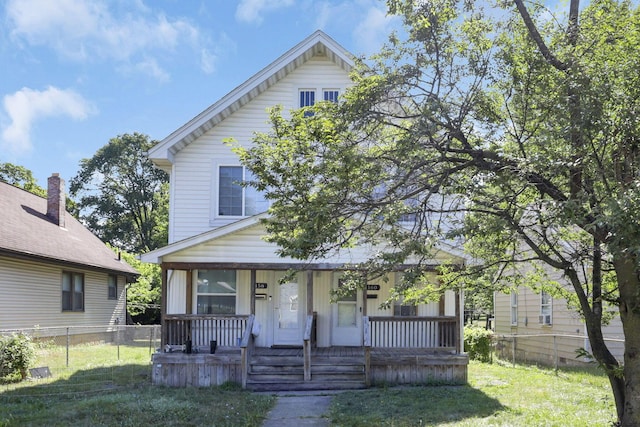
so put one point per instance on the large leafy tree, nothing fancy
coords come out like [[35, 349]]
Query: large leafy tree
[[524, 121], [21, 177], [123, 197]]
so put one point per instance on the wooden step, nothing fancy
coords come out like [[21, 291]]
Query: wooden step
[[305, 385]]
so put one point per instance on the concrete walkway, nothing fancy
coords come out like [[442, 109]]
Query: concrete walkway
[[303, 409]]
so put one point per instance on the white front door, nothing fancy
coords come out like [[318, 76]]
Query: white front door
[[346, 321], [287, 312]]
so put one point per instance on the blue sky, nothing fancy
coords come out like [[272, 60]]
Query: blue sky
[[75, 73]]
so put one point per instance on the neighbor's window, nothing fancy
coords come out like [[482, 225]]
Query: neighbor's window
[[233, 198], [545, 308], [72, 291], [514, 308], [113, 286], [216, 292]]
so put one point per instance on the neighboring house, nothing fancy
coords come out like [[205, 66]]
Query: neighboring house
[[222, 296], [53, 271], [543, 329]]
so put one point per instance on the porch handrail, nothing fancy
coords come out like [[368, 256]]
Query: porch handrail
[[306, 347], [429, 332], [246, 349]]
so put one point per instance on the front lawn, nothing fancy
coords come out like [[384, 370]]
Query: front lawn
[[497, 395]]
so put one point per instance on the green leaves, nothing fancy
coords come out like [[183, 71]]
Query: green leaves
[[123, 196]]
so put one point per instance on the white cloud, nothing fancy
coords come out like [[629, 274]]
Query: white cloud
[[27, 106], [250, 10], [87, 30], [367, 18], [374, 29]]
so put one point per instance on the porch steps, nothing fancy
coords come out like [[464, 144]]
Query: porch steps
[[267, 373]]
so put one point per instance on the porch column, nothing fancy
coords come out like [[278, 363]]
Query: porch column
[[309, 292], [189, 294], [163, 306], [253, 292], [459, 331]]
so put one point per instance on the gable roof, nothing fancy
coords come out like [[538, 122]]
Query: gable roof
[[27, 232], [317, 43]]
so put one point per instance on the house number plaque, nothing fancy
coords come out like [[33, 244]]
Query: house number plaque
[[261, 285], [373, 287]]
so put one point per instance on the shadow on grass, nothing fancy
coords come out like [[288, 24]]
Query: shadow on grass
[[123, 395], [410, 406]]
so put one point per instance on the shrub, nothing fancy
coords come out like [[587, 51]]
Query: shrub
[[17, 354], [477, 342]]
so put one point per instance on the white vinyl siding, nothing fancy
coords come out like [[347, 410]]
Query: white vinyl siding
[[192, 174]]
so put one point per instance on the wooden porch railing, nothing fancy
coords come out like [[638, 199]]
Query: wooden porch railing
[[201, 329], [439, 332]]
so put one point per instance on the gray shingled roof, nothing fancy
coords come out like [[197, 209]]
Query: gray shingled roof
[[26, 231]]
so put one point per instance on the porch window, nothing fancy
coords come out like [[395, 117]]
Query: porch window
[[112, 287], [401, 309], [216, 292], [72, 291], [514, 308], [233, 198]]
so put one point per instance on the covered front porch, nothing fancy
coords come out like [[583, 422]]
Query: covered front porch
[[411, 350]]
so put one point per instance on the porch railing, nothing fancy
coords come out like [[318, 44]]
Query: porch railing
[[439, 332], [201, 329]]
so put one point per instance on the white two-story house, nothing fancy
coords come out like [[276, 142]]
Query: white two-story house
[[223, 300]]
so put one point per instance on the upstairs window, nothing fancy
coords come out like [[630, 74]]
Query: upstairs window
[[233, 198], [307, 98], [331, 95], [72, 291]]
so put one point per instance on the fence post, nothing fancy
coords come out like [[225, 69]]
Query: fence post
[[118, 333], [513, 351], [67, 347], [555, 353]]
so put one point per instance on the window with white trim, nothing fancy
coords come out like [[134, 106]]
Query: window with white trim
[[112, 283], [514, 308], [216, 292], [545, 308], [234, 199], [72, 291]]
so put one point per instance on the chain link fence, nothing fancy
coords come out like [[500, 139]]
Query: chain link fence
[[557, 350], [87, 358]]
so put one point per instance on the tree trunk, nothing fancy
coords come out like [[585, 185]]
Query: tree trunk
[[629, 286]]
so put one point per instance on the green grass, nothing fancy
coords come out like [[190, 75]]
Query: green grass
[[497, 395], [100, 390], [97, 389]]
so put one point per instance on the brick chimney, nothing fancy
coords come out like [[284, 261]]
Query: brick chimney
[[56, 199]]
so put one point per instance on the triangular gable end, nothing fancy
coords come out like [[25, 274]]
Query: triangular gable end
[[317, 43]]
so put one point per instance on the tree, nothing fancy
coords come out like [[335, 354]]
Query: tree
[[143, 296], [123, 196], [20, 177], [525, 122]]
